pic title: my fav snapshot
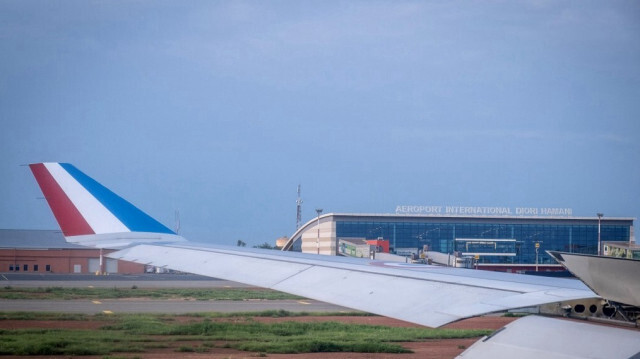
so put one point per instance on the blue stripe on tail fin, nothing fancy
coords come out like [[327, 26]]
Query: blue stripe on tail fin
[[128, 214]]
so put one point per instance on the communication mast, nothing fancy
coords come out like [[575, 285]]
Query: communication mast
[[299, 210], [177, 222]]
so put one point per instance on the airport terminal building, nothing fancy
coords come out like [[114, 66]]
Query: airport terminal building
[[494, 238]]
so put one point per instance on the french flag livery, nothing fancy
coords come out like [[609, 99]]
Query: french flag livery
[[87, 211], [91, 215]]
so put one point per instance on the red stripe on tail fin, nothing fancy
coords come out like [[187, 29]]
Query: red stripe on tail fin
[[69, 218]]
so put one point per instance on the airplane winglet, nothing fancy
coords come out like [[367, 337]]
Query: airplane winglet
[[89, 213]]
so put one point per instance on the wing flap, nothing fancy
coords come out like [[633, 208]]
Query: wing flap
[[535, 337], [597, 272]]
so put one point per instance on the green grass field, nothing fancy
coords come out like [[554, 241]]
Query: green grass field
[[136, 333], [160, 293], [199, 332]]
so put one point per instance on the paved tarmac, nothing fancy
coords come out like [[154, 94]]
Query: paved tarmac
[[23, 280], [32, 280], [165, 306]]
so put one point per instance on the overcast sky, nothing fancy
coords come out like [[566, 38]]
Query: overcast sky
[[219, 109]]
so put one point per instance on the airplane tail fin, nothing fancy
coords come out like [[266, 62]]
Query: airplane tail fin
[[90, 214]]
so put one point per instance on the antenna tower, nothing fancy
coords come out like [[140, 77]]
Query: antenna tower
[[298, 210], [177, 223]]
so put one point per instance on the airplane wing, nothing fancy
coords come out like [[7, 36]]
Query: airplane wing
[[90, 214], [427, 295]]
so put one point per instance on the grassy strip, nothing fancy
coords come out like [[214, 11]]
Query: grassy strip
[[70, 342], [51, 316], [159, 293], [45, 316], [515, 315], [132, 333], [298, 337], [280, 313]]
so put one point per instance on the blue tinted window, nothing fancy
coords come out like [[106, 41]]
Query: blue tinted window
[[441, 237]]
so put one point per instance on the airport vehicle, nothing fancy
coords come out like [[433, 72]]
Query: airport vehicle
[[90, 214]]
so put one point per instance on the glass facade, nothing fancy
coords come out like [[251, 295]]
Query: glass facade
[[445, 238], [508, 240]]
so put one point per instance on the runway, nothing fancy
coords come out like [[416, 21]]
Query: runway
[[22, 280], [169, 306], [165, 306]]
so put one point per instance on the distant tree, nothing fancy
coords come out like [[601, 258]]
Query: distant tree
[[265, 245], [241, 243]]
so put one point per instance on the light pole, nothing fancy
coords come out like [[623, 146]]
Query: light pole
[[599, 219], [319, 211], [537, 247]]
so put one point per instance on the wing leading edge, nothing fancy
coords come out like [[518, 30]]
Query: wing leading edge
[[91, 215]]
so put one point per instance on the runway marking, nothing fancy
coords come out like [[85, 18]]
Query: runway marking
[[107, 312], [96, 302], [5, 278], [303, 302]]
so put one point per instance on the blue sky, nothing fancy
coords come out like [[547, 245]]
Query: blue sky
[[219, 109]]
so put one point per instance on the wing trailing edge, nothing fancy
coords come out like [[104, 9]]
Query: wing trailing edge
[[426, 295]]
